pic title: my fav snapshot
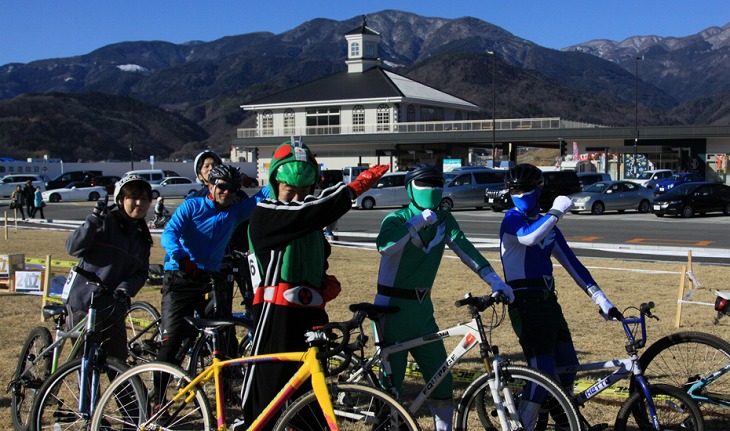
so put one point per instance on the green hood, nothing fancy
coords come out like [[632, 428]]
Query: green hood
[[293, 153]]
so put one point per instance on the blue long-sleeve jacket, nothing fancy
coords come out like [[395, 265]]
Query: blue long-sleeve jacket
[[527, 243], [199, 231]]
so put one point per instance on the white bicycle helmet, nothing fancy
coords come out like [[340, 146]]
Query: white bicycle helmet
[[200, 158], [126, 180]]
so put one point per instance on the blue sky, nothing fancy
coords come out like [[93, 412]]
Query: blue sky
[[38, 29]]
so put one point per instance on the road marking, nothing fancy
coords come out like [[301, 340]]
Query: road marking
[[677, 242], [583, 238]]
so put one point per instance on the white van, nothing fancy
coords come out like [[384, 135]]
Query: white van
[[349, 173], [649, 179], [152, 176]]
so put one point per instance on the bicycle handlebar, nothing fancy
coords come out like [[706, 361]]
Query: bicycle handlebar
[[344, 328], [481, 303]]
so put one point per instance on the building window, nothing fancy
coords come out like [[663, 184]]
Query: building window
[[289, 122], [383, 118], [354, 49], [323, 121], [358, 119], [267, 123], [429, 113], [411, 114], [370, 50], [458, 116]]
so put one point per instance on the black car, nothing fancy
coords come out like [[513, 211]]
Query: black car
[[69, 177], [107, 181], [330, 177], [556, 183], [689, 199]]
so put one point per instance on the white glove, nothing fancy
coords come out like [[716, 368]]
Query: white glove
[[561, 205], [426, 218], [603, 303], [496, 283]]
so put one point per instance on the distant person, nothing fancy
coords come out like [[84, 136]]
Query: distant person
[[29, 197], [17, 200], [204, 162], [38, 203], [160, 212]]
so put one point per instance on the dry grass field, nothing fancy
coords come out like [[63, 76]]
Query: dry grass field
[[625, 283]]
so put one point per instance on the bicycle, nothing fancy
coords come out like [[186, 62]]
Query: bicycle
[[41, 355], [68, 397], [328, 406], [649, 406], [697, 362], [492, 400]]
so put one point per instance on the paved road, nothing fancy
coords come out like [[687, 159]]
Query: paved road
[[627, 235]]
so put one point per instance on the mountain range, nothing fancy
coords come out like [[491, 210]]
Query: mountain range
[[173, 99]]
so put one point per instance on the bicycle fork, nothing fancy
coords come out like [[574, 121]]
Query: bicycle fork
[[504, 401]]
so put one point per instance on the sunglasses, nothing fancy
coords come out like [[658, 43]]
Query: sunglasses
[[227, 187]]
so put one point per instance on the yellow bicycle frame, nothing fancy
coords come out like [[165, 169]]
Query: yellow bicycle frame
[[310, 368]]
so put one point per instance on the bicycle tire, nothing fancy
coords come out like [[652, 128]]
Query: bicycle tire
[[356, 407], [476, 408], [684, 357], [57, 400], [194, 414], [23, 389], [142, 318], [675, 410]]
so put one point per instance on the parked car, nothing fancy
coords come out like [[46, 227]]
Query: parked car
[[466, 188], [675, 180], [152, 176], [649, 179], [329, 177], [174, 187], [688, 199], [106, 181], [68, 177], [612, 196], [555, 183], [389, 191], [8, 183], [75, 191], [587, 178]]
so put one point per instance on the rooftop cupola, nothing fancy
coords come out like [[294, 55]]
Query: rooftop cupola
[[362, 48]]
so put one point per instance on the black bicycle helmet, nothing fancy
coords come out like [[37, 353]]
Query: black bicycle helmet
[[200, 158], [227, 173], [523, 177], [425, 172]]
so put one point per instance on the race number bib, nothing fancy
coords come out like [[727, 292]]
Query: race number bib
[[69, 282], [253, 269]]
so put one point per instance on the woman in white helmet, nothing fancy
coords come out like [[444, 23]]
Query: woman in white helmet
[[113, 243]]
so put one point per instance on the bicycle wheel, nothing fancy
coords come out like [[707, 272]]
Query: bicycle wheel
[[685, 357], [476, 409], [143, 332], [357, 407], [155, 408], [676, 410], [29, 375], [57, 402]]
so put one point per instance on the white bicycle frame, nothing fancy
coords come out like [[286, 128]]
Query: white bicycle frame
[[471, 338]]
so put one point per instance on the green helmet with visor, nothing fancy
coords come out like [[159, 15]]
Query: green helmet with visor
[[294, 164]]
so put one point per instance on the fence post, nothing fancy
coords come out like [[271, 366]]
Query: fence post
[[46, 284], [680, 296]]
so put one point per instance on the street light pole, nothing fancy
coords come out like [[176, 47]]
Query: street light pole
[[131, 137], [494, 106], [636, 117]]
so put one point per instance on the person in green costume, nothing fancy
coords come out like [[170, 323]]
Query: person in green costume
[[411, 244], [289, 252]]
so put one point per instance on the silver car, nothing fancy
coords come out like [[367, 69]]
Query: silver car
[[612, 196], [389, 191]]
